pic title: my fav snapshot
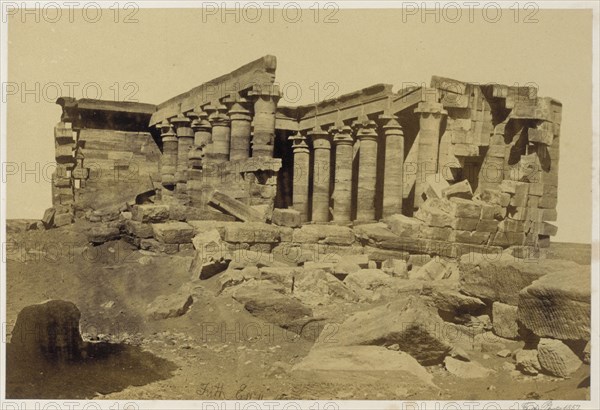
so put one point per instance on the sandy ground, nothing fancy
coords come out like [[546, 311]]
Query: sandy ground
[[217, 350]]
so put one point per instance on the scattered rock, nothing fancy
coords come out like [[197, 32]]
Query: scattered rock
[[286, 217], [527, 361], [173, 232], [504, 320], [151, 213], [395, 267], [466, 370], [556, 358], [103, 233], [407, 322], [364, 359], [175, 305], [504, 353]]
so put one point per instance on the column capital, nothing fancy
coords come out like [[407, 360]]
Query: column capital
[[201, 123], [270, 90], [180, 121], [343, 136], [366, 130], [320, 137], [428, 107], [390, 125]]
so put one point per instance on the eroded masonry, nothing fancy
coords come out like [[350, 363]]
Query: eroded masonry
[[441, 170]]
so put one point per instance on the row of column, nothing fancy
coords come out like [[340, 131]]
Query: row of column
[[214, 135], [367, 141]]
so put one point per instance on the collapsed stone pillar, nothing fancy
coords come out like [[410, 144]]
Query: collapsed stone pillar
[[342, 190], [168, 162], [367, 171], [241, 129], [321, 174], [393, 183], [221, 135], [431, 114], [301, 176], [265, 108]]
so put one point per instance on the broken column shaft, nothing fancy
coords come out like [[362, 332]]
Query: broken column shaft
[[321, 174], [367, 171], [431, 113], [301, 176], [393, 182], [342, 190]]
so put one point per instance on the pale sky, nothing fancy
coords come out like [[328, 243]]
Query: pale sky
[[170, 51]]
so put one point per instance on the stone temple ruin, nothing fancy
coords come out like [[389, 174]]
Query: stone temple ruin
[[440, 170]]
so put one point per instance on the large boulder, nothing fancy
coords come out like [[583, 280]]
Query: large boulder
[[408, 323], [316, 286], [556, 358], [173, 232], [527, 361], [558, 305], [499, 277], [49, 330], [150, 213], [504, 320]]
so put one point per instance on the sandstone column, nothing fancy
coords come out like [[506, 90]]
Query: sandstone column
[[221, 135], [321, 174], [393, 180], [168, 161], [241, 126], [342, 190], [429, 140], [185, 139], [301, 176], [265, 108], [367, 171]]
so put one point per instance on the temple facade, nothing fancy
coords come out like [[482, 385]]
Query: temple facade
[[455, 162]]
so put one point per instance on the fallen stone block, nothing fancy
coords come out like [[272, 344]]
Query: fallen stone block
[[380, 255], [104, 233], [150, 213], [171, 306], [464, 208], [466, 370], [435, 184], [251, 232], [471, 237], [235, 277], [495, 197], [435, 212], [558, 305], [436, 269], [63, 219], [286, 217], [185, 213], [173, 232], [318, 287], [152, 245], [404, 226], [139, 229], [527, 361], [556, 358], [400, 322], [504, 320], [325, 234], [236, 208], [266, 302], [395, 267], [460, 189], [454, 304], [365, 359], [205, 267], [48, 218], [499, 277]]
